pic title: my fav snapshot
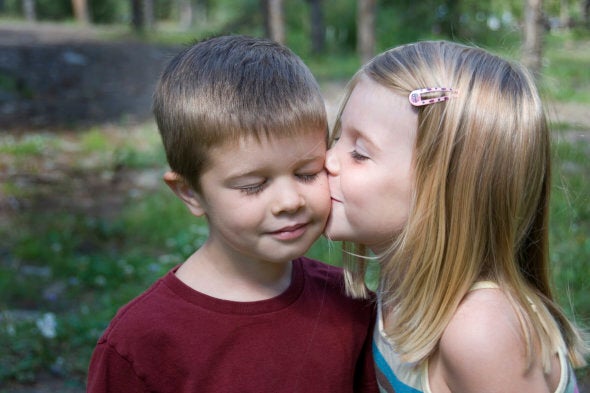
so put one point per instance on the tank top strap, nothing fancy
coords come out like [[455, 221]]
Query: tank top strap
[[483, 285]]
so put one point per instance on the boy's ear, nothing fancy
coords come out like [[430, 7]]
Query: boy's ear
[[185, 192]]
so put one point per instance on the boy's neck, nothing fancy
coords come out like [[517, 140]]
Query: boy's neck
[[246, 281]]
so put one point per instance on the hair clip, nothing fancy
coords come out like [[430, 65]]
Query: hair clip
[[416, 98]]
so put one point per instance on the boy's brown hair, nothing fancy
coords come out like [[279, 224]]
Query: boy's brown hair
[[226, 88]]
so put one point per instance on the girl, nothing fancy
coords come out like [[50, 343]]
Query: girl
[[441, 168]]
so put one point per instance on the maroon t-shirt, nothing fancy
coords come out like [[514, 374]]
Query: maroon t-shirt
[[311, 338]]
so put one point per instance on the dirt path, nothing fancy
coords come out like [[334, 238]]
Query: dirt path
[[59, 77]]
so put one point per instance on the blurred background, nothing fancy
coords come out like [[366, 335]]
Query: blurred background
[[86, 223]]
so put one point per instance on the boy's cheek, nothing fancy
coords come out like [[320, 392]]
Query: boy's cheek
[[323, 188], [327, 202]]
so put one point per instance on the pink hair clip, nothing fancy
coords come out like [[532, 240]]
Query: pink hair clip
[[416, 98]]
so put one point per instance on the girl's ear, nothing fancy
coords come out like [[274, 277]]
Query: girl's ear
[[185, 192]]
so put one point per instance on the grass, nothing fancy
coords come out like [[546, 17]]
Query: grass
[[566, 68], [65, 270], [570, 227], [81, 268]]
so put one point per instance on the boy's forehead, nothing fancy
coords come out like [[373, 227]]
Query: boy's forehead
[[251, 152], [268, 139]]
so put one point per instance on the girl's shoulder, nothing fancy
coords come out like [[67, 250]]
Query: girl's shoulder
[[483, 346], [484, 325]]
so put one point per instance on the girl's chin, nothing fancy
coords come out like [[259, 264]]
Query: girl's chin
[[331, 231]]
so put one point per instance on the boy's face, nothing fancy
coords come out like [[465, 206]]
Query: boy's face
[[265, 201]]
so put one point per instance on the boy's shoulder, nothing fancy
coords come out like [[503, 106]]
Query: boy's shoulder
[[328, 276], [314, 266], [167, 305], [317, 271], [142, 313]]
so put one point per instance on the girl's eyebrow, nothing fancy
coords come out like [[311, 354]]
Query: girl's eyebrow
[[363, 135]]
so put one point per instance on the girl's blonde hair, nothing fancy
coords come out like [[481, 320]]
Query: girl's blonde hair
[[481, 200]]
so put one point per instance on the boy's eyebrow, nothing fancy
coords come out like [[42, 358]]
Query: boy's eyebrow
[[254, 172]]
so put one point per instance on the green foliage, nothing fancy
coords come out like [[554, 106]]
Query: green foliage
[[109, 11], [337, 67], [340, 20], [299, 29], [82, 267], [565, 74], [54, 9], [46, 10], [570, 225], [30, 145], [25, 349], [485, 23]]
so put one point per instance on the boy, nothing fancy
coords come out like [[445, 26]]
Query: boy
[[244, 128]]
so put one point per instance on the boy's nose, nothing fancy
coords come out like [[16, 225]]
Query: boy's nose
[[288, 200], [332, 165]]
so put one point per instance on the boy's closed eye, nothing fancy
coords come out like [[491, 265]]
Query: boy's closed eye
[[308, 178], [256, 188], [252, 189]]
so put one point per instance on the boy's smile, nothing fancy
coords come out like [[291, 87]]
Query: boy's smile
[[291, 232], [267, 200]]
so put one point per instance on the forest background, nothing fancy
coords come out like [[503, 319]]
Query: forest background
[[86, 223]]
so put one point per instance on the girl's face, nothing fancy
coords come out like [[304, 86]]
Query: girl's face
[[370, 167]]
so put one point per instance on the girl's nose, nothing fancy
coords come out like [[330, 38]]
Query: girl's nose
[[332, 165]]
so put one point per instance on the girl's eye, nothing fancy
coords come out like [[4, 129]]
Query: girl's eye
[[308, 178], [357, 156], [252, 189]]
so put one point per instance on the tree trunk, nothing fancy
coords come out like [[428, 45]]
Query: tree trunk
[[148, 14], [532, 50], [318, 36], [202, 9], [186, 14], [366, 29], [29, 10], [80, 8], [564, 14], [274, 20], [586, 12], [137, 15]]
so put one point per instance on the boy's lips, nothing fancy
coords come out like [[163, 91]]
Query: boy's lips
[[290, 232], [334, 199]]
